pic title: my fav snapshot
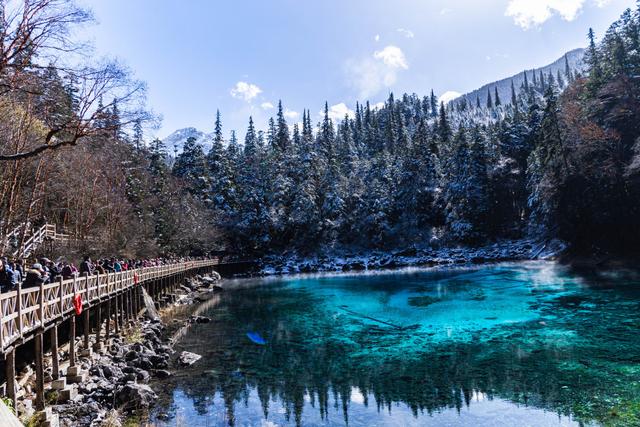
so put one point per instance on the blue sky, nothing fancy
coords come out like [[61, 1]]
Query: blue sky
[[242, 56]]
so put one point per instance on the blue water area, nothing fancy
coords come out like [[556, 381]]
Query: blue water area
[[530, 344]]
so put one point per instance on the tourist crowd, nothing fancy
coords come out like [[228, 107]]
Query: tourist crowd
[[14, 272]]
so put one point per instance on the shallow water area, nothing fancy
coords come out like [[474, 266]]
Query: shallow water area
[[526, 344]]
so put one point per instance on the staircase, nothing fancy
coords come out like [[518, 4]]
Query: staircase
[[34, 239]]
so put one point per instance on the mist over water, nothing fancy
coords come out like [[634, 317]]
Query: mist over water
[[529, 344]]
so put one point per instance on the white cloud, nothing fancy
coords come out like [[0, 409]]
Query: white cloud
[[445, 11], [369, 75], [449, 96], [528, 13], [407, 33], [338, 111], [392, 56], [267, 106], [377, 37], [378, 105], [245, 91], [291, 114]]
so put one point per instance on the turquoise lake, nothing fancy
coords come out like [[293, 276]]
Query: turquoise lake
[[527, 344]]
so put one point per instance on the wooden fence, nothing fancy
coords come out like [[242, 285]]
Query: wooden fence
[[26, 310]]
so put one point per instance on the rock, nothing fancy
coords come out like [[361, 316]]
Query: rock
[[135, 396], [143, 376], [162, 374], [150, 306], [199, 319], [111, 371], [187, 358]]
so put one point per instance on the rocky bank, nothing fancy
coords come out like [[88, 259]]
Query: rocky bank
[[115, 390]]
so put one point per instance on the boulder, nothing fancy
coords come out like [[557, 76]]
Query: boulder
[[135, 396], [199, 319], [162, 373], [187, 358]]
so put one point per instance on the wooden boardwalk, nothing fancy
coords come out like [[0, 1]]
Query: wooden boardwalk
[[114, 298], [24, 310]]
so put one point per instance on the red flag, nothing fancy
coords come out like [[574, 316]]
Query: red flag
[[135, 278], [77, 304]]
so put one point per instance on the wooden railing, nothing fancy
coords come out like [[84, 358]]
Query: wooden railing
[[26, 310]]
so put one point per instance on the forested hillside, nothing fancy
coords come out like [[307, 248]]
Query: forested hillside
[[560, 157], [72, 146]]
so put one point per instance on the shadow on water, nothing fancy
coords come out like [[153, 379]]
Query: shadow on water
[[524, 336]]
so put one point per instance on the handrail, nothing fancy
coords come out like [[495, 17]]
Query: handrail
[[23, 310]]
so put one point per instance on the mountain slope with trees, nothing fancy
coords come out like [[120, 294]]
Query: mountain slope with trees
[[558, 157]]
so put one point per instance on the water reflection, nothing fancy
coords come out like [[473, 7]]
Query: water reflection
[[508, 345]]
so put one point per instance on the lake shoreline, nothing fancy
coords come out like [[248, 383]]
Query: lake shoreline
[[510, 250], [122, 379]]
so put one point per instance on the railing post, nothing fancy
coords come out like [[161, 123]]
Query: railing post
[[98, 314], [39, 372], [10, 373], [61, 295], [41, 304], [55, 362], [86, 314], [72, 330], [19, 307]]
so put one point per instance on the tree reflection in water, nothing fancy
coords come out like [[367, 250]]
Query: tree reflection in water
[[573, 350]]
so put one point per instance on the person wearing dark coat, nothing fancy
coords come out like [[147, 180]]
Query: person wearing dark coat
[[86, 267], [6, 277], [35, 276]]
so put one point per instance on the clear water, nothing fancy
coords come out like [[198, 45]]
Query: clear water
[[529, 344]]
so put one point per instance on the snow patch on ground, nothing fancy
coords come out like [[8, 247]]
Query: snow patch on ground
[[518, 250]]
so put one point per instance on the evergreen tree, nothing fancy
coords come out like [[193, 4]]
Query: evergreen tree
[[489, 100], [219, 170], [191, 166], [567, 70], [433, 103], [498, 102], [250, 141], [282, 139], [138, 134]]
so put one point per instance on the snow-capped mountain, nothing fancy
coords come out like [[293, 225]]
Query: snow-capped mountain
[[576, 63], [175, 141]]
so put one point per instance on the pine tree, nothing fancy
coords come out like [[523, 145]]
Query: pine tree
[[478, 102], [560, 80], [282, 139], [444, 129], [526, 82], [514, 97], [219, 170], [433, 101], [497, 97], [250, 141], [326, 135], [271, 133], [593, 61], [567, 70], [489, 101], [138, 134], [191, 166]]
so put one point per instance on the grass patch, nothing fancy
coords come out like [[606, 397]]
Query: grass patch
[[134, 336]]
